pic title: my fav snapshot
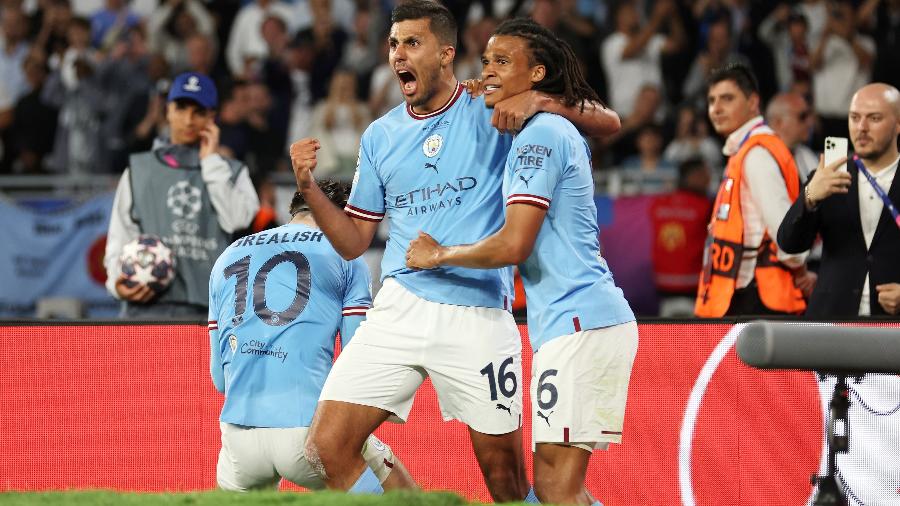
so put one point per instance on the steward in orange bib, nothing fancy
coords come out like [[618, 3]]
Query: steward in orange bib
[[744, 272]]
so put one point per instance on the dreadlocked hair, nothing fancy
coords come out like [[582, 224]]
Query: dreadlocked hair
[[563, 77], [337, 191]]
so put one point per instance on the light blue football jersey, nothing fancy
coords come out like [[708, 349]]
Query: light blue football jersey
[[568, 286], [276, 300], [440, 173]]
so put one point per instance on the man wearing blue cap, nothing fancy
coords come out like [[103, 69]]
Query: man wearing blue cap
[[187, 194]]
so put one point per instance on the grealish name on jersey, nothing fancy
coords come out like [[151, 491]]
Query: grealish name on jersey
[[276, 238]]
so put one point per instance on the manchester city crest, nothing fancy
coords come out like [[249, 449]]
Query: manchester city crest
[[432, 145]]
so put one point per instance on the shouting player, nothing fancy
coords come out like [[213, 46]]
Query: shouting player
[[582, 330], [433, 163], [277, 298]]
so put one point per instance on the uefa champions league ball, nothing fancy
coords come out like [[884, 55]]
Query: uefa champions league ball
[[147, 260]]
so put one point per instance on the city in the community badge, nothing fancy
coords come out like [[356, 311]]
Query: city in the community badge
[[232, 342], [432, 145]]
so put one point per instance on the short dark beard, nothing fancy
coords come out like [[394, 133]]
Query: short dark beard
[[434, 77]]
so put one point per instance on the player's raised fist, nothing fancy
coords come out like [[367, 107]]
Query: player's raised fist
[[423, 252], [303, 160]]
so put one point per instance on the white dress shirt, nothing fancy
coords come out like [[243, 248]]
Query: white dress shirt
[[870, 208], [764, 199]]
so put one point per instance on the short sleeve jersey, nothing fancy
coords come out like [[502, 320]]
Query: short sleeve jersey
[[568, 286], [277, 300], [440, 173]]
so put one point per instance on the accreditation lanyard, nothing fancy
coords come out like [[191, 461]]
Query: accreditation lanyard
[[884, 196]]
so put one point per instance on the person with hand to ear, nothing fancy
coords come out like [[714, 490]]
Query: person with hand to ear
[[852, 204], [184, 192]]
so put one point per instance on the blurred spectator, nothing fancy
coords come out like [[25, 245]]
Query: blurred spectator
[[145, 122], [476, 36], [328, 43], [816, 14], [842, 63], [744, 272], [679, 221], [647, 107], [300, 61], [692, 140], [14, 48], [384, 91], [881, 18], [124, 77], [717, 53], [78, 146], [234, 108], [275, 75], [267, 131], [649, 159], [172, 24], [201, 57], [790, 117], [35, 121], [246, 45], [190, 196], [631, 55], [52, 38], [360, 51], [786, 34], [563, 18], [338, 122], [111, 23], [78, 35], [860, 274]]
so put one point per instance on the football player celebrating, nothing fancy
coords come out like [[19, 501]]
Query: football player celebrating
[[582, 330], [277, 298]]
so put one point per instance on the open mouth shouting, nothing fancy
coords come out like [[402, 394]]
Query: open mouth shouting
[[408, 82]]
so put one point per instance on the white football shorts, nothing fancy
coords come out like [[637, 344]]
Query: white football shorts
[[579, 386], [472, 355], [255, 458]]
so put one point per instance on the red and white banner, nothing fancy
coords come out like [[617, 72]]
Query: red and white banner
[[133, 408]]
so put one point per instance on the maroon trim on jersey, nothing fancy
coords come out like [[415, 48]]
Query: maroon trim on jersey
[[212, 325], [442, 109], [363, 214], [354, 311], [390, 465], [577, 324], [565, 434], [524, 198], [610, 432]]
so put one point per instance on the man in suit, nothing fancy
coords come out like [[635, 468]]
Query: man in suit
[[859, 224]]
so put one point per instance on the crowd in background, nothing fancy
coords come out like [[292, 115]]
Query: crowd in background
[[82, 83]]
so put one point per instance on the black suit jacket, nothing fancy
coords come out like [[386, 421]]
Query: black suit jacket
[[845, 260]]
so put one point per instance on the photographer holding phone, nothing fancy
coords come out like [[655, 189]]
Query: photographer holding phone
[[853, 204], [186, 193]]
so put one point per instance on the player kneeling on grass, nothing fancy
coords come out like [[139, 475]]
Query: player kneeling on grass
[[581, 327], [276, 300]]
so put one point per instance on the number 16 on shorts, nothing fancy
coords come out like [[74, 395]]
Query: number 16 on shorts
[[502, 382]]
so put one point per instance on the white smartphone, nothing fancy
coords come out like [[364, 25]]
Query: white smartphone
[[835, 149]]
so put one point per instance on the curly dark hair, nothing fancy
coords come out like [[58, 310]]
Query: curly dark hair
[[336, 191]]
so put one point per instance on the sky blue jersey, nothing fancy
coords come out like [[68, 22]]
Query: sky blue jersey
[[440, 173], [276, 300], [568, 286]]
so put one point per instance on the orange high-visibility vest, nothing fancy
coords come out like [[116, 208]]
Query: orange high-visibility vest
[[725, 241]]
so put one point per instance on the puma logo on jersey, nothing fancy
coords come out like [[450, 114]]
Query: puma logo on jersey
[[508, 409], [545, 417], [526, 181], [429, 165]]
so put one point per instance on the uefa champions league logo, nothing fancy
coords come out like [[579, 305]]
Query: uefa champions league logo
[[184, 200], [193, 84]]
